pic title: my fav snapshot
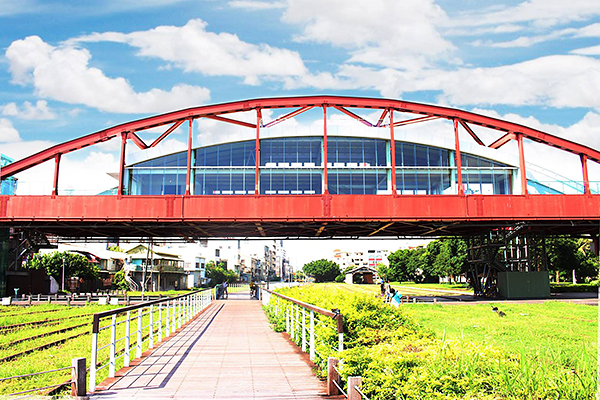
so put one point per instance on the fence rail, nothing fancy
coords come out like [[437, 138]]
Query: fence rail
[[154, 319], [295, 314], [294, 311], [77, 382]]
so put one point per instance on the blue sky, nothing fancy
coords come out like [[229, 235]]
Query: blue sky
[[71, 68]]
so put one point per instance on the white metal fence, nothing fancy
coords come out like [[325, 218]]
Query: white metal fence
[[130, 329]]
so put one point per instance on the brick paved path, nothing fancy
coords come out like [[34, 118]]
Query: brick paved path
[[228, 352]]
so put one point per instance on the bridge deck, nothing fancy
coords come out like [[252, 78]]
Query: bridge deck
[[229, 351]]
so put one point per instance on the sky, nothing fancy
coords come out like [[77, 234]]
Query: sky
[[71, 68]]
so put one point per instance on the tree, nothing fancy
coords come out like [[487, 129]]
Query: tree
[[119, 280], [75, 265], [322, 270], [566, 255], [218, 274], [402, 268]]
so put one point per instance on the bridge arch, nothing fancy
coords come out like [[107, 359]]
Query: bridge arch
[[507, 131]]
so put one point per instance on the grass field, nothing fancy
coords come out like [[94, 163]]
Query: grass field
[[558, 340]]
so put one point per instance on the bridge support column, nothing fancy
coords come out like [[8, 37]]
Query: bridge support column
[[461, 189], [4, 234]]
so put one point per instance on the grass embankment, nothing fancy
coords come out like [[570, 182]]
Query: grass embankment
[[59, 355], [464, 352]]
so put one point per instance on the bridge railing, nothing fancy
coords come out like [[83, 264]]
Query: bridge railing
[[302, 324], [148, 323]]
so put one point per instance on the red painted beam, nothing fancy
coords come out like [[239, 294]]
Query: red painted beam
[[503, 140], [137, 140], [414, 120], [167, 133], [470, 131], [353, 115], [230, 121], [287, 116], [297, 208]]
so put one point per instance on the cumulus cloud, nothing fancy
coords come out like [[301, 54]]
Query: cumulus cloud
[[63, 74], [37, 111], [376, 32], [194, 49], [557, 81], [8, 133]]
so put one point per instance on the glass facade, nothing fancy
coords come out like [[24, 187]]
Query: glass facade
[[7, 186], [294, 165]]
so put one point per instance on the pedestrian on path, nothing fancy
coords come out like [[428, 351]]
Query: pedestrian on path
[[225, 293]]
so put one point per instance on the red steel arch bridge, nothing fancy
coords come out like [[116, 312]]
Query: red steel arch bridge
[[300, 215]]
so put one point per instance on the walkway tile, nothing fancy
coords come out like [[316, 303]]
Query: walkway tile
[[228, 352]]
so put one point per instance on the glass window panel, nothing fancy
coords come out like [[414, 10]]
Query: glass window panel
[[421, 156], [357, 185], [199, 183], [210, 183], [291, 150], [317, 182], [237, 181], [356, 150], [370, 185]]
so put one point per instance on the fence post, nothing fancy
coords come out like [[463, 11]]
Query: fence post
[[303, 329], [312, 335], [332, 376], [354, 381], [113, 338], [179, 314], [287, 319], [160, 307], [94, 355], [168, 327], [174, 322], [151, 328], [340, 329], [78, 377], [297, 322], [127, 339], [138, 350]]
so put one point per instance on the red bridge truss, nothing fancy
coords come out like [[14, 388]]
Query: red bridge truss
[[319, 215]]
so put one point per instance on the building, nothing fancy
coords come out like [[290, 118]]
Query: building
[[356, 165], [159, 268], [367, 258], [8, 186]]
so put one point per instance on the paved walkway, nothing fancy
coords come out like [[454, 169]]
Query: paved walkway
[[228, 352]]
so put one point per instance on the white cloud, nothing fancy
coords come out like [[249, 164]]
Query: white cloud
[[256, 5], [557, 81], [592, 30], [588, 51], [63, 74], [377, 32], [37, 111], [194, 49], [542, 13], [8, 133]]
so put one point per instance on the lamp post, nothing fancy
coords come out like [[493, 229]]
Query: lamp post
[[63, 274]]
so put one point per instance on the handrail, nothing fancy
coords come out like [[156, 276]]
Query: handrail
[[332, 314], [162, 320], [108, 313]]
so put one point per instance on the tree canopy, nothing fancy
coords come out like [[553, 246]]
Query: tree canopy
[[218, 274], [322, 270], [75, 265]]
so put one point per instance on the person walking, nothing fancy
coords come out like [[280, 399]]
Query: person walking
[[225, 293]]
